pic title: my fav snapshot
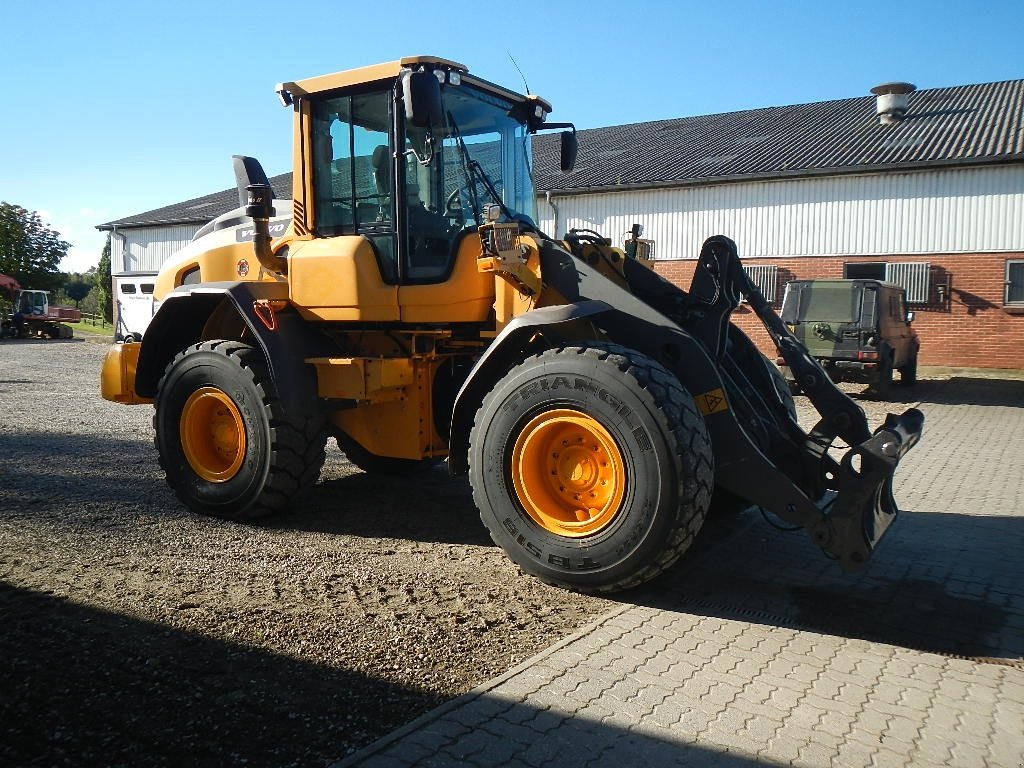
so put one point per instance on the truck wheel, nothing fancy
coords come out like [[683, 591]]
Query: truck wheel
[[882, 388], [373, 464], [908, 373], [226, 444], [591, 467]]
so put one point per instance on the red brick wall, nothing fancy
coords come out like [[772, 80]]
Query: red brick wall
[[971, 328]]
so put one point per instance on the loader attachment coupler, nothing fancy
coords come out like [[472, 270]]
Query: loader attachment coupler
[[863, 507], [846, 506]]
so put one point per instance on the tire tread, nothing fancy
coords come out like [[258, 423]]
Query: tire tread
[[297, 442], [684, 422]]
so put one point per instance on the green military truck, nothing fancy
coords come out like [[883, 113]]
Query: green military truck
[[859, 330]]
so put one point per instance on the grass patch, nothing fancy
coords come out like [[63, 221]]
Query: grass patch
[[88, 328]]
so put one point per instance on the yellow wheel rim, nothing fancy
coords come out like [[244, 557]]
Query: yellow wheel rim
[[212, 435], [568, 473]]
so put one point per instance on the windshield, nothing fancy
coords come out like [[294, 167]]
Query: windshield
[[479, 155], [822, 301], [415, 201]]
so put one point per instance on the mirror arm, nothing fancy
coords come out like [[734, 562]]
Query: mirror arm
[[553, 126]]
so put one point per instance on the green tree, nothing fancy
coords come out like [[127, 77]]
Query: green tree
[[104, 283], [77, 287], [29, 250], [91, 303]]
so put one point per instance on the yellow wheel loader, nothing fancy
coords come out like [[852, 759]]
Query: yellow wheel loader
[[409, 306]]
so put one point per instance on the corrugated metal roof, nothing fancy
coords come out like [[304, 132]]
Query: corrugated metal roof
[[961, 125], [199, 210]]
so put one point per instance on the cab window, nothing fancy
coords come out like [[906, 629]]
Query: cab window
[[352, 171]]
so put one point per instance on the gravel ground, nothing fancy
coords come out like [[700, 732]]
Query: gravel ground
[[134, 632]]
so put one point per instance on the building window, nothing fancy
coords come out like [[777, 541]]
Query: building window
[[1015, 282], [127, 288], [913, 277], [766, 278], [147, 287], [864, 270]]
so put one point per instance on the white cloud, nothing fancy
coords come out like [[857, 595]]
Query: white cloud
[[79, 229]]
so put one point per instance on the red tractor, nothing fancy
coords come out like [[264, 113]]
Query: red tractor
[[31, 315]]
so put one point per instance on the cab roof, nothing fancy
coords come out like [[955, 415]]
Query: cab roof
[[391, 70]]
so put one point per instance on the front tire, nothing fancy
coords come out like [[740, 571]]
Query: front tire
[[228, 447], [591, 467]]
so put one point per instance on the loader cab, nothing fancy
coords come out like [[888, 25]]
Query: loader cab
[[403, 168]]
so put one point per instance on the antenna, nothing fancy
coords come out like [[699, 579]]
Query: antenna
[[520, 72]]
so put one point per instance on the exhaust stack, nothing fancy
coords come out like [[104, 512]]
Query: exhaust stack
[[891, 103]]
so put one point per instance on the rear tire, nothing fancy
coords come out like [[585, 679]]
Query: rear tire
[[228, 447], [591, 467]]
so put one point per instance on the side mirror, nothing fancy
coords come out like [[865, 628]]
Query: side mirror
[[570, 146], [421, 93]]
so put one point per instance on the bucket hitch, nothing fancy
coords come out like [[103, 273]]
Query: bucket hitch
[[846, 505]]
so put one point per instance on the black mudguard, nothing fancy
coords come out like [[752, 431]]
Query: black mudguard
[[185, 312]]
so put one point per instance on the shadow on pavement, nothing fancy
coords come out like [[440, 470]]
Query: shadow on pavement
[[959, 390], [430, 506], [488, 732], [86, 687], [83, 479], [945, 583], [92, 481]]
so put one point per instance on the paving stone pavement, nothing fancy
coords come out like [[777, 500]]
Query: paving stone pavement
[[758, 651]]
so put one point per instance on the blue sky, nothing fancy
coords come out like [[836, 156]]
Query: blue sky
[[115, 108]]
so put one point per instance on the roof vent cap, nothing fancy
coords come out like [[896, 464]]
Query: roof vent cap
[[892, 101]]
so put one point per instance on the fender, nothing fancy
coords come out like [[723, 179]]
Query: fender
[[505, 351], [185, 312], [740, 465]]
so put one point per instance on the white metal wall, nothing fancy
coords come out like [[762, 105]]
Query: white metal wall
[[145, 249], [944, 211]]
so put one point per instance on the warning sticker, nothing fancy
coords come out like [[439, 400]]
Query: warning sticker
[[712, 402]]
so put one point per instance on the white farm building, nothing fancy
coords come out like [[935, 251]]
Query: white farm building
[[921, 187]]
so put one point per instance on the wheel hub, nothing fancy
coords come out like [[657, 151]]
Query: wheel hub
[[568, 473], [212, 435]]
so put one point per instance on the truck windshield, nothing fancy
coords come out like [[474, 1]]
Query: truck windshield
[[477, 155], [481, 155], [823, 301]]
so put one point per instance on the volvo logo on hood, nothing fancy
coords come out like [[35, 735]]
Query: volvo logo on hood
[[246, 234]]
